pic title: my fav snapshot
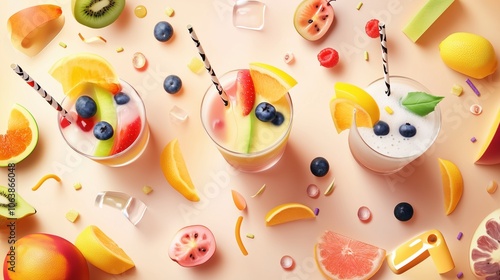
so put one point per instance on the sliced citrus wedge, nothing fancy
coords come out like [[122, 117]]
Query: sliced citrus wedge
[[102, 252], [270, 82], [288, 212], [175, 171], [348, 98], [21, 136], [85, 67], [453, 184]]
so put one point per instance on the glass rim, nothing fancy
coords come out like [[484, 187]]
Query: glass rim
[[144, 124], [235, 153]]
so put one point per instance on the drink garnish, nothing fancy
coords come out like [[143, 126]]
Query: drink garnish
[[420, 103]]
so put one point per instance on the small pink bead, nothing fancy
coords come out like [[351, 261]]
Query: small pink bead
[[364, 213]]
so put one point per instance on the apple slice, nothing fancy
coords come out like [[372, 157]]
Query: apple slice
[[106, 111], [31, 29], [490, 151], [126, 136]]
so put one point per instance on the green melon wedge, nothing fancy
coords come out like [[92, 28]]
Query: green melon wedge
[[106, 111]]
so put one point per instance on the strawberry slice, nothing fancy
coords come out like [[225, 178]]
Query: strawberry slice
[[126, 136], [245, 91]]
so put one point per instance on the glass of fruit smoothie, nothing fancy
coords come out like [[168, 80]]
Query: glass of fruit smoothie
[[252, 131], [401, 135], [109, 128]]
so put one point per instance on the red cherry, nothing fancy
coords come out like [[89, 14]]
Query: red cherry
[[328, 57]]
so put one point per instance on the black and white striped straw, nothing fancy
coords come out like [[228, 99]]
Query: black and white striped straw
[[27, 78], [208, 66], [383, 44]]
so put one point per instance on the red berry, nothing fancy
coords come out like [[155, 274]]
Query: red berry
[[64, 122], [371, 28], [328, 57], [85, 124], [245, 91]]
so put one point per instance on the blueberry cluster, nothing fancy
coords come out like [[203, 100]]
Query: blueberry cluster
[[266, 112], [406, 130]]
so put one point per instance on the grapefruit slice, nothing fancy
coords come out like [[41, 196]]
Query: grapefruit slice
[[85, 67], [490, 151], [453, 184], [270, 82], [484, 252], [339, 257], [21, 136], [175, 171], [288, 212]]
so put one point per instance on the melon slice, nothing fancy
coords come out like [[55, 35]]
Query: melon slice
[[313, 18]]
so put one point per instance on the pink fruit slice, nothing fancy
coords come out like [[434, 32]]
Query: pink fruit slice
[[313, 18], [484, 254], [192, 246], [126, 136], [245, 91]]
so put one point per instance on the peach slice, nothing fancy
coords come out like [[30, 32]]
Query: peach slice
[[490, 151], [32, 28]]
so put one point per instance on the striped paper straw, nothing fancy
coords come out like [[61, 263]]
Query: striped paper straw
[[208, 66], [19, 71], [383, 44]]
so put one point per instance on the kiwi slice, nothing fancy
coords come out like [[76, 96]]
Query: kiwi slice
[[13, 206], [97, 13]]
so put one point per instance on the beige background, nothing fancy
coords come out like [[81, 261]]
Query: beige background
[[313, 134]]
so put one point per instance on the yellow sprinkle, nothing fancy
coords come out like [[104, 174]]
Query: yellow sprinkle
[[119, 49], [366, 56], [360, 4], [251, 236], [77, 186], [492, 187], [169, 11], [44, 178], [147, 189], [261, 190], [140, 11], [62, 44], [72, 215], [330, 188], [457, 90], [196, 65], [238, 236], [389, 110]]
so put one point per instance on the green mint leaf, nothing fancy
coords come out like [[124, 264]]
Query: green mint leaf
[[420, 103]]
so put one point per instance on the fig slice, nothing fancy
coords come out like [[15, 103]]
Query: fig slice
[[484, 253], [313, 18]]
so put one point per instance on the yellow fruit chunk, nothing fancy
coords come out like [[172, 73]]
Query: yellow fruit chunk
[[490, 151], [33, 28], [270, 82], [348, 98], [288, 212], [102, 252], [85, 67], [175, 171], [72, 215], [453, 184], [21, 136], [469, 54]]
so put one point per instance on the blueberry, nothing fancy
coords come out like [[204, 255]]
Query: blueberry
[[85, 106], [172, 84], [103, 130], [319, 166], [121, 98], [163, 31], [278, 119], [265, 112], [407, 130], [403, 211], [381, 128]]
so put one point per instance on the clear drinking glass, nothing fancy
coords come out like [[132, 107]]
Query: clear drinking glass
[[131, 123], [389, 154], [223, 125]]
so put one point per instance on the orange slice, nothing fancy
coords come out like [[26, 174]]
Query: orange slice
[[288, 212], [21, 136], [102, 252], [453, 184], [175, 171], [85, 67], [349, 98], [239, 200], [270, 82]]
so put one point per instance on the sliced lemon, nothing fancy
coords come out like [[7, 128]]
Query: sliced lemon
[[102, 252], [348, 98], [270, 82], [453, 184], [85, 67], [288, 212], [175, 171]]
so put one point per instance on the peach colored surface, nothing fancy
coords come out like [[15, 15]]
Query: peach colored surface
[[313, 134]]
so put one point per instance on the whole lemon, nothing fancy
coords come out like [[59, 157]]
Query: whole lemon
[[469, 54]]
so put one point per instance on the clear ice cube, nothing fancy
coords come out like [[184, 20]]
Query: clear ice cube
[[249, 14], [132, 208], [177, 114]]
